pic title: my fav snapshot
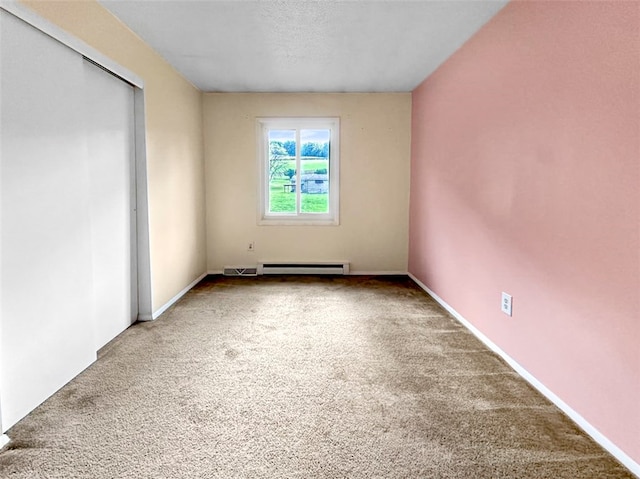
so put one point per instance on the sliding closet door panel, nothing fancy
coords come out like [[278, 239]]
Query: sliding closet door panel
[[110, 128], [46, 287]]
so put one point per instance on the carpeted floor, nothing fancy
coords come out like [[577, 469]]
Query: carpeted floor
[[353, 377]]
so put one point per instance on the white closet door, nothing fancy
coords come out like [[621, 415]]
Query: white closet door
[[46, 288], [110, 129]]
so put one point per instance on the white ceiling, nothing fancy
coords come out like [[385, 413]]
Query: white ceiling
[[305, 45]]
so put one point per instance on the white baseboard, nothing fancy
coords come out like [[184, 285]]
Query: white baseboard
[[4, 440], [597, 436], [351, 273], [170, 303], [377, 273]]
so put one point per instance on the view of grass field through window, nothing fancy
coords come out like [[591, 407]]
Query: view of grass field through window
[[299, 171]]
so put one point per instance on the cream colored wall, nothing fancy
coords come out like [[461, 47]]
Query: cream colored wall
[[174, 142], [374, 181]]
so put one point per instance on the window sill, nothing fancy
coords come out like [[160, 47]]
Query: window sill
[[283, 221]]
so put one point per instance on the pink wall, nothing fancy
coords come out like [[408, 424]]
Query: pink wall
[[525, 178]]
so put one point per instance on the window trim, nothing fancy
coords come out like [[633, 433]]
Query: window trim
[[263, 125]]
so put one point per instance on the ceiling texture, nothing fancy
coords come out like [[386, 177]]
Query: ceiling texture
[[305, 45]]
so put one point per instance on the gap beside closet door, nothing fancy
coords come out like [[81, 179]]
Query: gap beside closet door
[[46, 288], [111, 148]]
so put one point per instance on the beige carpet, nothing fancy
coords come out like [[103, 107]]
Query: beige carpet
[[301, 378]]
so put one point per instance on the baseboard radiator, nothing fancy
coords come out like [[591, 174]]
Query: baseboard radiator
[[339, 268]]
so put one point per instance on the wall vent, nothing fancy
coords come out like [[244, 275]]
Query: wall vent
[[340, 267], [240, 271]]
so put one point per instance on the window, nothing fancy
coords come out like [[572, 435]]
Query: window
[[298, 170]]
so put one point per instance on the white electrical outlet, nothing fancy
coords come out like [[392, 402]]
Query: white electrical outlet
[[251, 246], [507, 302]]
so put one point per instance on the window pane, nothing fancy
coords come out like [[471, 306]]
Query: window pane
[[314, 171], [282, 171]]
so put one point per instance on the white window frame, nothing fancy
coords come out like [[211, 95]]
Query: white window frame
[[325, 123]]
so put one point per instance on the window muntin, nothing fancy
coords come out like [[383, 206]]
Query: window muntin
[[299, 170]]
